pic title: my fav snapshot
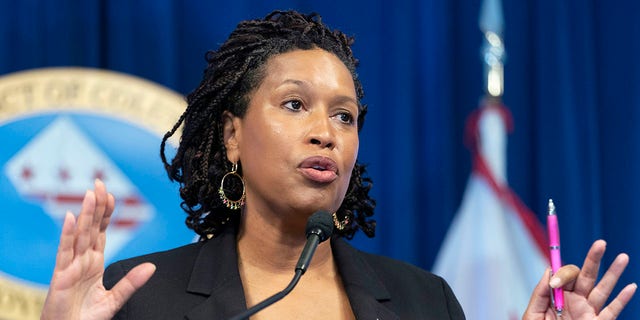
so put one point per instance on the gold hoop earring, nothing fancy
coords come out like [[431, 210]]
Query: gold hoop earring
[[340, 225], [232, 204]]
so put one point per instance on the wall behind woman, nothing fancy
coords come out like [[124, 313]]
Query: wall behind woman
[[572, 84]]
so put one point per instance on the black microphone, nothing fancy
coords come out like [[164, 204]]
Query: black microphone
[[319, 228]]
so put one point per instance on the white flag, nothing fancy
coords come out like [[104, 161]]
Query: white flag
[[493, 254]]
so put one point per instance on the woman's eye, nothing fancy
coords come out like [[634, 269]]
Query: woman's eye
[[345, 117], [293, 105]]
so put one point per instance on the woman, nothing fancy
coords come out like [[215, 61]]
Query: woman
[[270, 136]]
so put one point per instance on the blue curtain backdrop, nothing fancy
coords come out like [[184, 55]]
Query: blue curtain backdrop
[[572, 84]]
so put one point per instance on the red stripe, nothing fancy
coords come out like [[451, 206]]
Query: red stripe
[[472, 132], [128, 223], [133, 200], [68, 198], [504, 192]]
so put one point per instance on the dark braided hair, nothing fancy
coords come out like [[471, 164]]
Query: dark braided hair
[[233, 71]]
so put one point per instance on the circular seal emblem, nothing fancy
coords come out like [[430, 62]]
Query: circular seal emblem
[[60, 129]]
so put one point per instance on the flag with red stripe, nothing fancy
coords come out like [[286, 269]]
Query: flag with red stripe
[[494, 251]]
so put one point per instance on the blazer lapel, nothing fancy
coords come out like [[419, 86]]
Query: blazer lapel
[[368, 295], [215, 274]]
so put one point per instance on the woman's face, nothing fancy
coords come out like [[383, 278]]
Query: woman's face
[[298, 140]]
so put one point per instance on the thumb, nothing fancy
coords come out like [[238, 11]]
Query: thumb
[[134, 280], [565, 277]]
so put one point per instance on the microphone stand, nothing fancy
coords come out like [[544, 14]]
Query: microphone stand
[[251, 311]]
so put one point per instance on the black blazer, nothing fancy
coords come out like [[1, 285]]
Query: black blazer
[[201, 281]]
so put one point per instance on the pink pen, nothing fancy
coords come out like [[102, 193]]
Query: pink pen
[[554, 254]]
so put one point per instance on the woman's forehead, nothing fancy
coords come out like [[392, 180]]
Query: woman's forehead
[[315, 66]]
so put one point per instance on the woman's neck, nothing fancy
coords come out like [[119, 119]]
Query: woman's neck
[[274, 245], [268, 250]]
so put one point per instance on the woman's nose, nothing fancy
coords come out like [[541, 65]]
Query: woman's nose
[[321, 132]]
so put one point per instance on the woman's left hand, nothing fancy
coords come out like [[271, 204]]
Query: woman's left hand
[[584, 296]]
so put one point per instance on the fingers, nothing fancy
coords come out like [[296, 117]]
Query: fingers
[[586, 279], [599, 295], [100, 209], [65, 248], [89, 228], [109, 210], [101, 241], [84, 223], [589, 273], [540, 298], [135, 279], [613, 310], [95, 214]]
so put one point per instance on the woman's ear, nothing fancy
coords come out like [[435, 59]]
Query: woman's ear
[[231, 135]]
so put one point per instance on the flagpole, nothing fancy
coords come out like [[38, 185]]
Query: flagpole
[[491, 24], [494, 117]]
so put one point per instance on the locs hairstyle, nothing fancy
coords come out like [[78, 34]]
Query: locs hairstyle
[[233, 71]]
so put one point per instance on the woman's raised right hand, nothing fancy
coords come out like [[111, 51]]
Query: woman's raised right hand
[[76, 290]]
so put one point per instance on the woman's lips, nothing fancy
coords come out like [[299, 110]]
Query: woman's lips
[[319, 169]]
